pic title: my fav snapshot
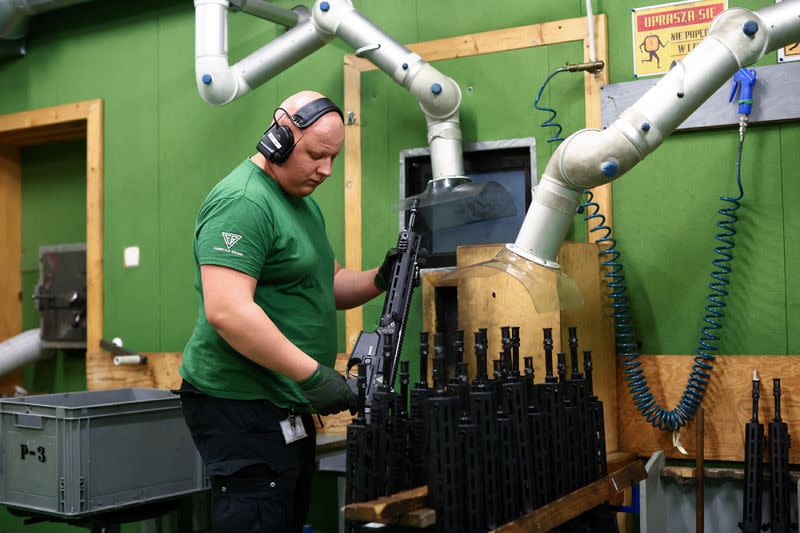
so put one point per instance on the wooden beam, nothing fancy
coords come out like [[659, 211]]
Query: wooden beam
[[10, 242], [11, 251], [488, 42], [687, 474], [576, 503], [44, 134], [47, 116], [94, 225], [354, 318], [727, 403], [592, 102], [388, 508]]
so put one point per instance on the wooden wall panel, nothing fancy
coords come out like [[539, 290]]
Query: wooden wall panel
[[160, 372], [727, 404]]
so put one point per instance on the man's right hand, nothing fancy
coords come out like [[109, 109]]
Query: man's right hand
[[327, 392]]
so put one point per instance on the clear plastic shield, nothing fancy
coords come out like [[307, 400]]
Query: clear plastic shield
[[549, 288]]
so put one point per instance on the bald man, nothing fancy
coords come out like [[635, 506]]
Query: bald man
[[260, 360]]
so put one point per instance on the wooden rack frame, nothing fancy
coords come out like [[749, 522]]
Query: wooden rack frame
[[81, 120], [533, 35]]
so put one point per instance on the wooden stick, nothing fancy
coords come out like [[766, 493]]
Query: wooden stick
[[387, 509], [576, 503]]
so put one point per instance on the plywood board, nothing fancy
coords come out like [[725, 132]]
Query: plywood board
[[160, 372], [727, 404]]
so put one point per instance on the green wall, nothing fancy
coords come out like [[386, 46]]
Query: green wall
[[53, 212], [165, 148]]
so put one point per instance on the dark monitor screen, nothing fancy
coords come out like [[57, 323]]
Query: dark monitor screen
[[508, 166]]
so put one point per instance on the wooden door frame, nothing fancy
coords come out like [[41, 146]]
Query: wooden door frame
[[80, 120], [547, 33]]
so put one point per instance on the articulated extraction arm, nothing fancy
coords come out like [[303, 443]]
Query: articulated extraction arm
[[588, 158], [218, 83]]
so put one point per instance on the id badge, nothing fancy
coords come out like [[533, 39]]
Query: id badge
[[293, 429]]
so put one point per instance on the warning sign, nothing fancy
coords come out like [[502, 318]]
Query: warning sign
[[789, 53], [665, 33]]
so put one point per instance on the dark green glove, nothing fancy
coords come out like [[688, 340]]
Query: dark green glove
[[327, 391], [385, 270]]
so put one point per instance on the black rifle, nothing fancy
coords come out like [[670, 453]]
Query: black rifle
[[420, 392], [445, 460], [537, 442], [482, 413], [392, 325], [548, 400], [572, 430], [780, 510], [363, 452], [753, 468], [580, 398]]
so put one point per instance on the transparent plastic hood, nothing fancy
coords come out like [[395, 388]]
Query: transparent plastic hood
[[549, 288]]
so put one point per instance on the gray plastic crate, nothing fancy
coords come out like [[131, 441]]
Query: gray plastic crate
[[80, 453]]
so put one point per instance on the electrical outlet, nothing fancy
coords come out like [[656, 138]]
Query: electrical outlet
[[131, 257]]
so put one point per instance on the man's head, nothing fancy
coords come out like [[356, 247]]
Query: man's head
[[315, 147]]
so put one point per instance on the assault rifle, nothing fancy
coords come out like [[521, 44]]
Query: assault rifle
[[388, 337]]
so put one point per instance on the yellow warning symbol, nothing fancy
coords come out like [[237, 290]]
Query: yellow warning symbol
[[665, 33], [791, 52]]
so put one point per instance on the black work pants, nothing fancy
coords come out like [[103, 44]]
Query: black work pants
[[259, 483]]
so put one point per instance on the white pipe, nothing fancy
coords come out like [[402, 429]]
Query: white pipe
[[590, 24], [588, 158], [217, 82], [133, 359], [267, 11], [438, 95], [20, 350], [15, 14]]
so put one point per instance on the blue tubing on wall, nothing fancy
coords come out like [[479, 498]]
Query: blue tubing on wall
[[624, 330]]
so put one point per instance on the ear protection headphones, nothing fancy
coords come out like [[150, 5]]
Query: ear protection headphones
[[278, 141]]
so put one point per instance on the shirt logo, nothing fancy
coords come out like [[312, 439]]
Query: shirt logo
[[230, 239]]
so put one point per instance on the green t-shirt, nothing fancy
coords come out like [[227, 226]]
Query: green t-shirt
[[250, 224]]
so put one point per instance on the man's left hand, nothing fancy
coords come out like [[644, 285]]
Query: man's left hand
[[385, 270]]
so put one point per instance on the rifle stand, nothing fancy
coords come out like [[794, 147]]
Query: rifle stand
[[408, 508]]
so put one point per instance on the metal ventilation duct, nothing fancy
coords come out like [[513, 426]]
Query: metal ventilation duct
[[14, 18]]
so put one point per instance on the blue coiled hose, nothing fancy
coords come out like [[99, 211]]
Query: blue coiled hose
[[553, 113], [625, 334], [624, 330]]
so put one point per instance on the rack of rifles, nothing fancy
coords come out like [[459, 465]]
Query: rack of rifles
[[489, 450]]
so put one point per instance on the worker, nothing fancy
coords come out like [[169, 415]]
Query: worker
[[260, 359]]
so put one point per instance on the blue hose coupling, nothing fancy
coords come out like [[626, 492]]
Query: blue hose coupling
[[436, 88], [609, 168], [324, 6], [206, 79], [750, 28]]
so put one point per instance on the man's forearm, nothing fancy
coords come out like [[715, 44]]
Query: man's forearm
[[351, 289], [251, 333]]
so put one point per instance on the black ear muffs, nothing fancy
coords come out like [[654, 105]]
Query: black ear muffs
[[278, 141]]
